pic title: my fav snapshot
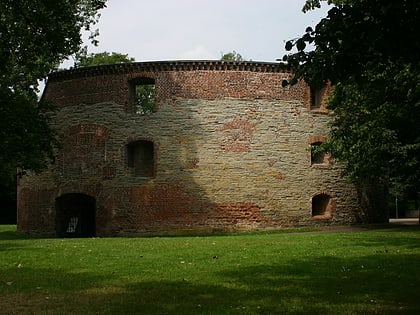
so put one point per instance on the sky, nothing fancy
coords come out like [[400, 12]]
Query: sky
[[157, 30]]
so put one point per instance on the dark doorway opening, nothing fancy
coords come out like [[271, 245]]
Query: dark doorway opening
[[75, 216]]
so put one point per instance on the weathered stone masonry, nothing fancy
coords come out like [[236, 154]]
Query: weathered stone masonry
[[228, 148]]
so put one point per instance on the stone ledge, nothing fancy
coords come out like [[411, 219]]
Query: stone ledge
[[182, 65]]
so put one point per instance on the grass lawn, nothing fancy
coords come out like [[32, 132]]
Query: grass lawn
[[363, 272]]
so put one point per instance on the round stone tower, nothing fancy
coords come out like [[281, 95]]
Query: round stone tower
[[184, 147]]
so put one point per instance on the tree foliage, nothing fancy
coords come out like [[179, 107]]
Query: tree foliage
[[103, 58], [232, 56], [369, 51], [35, 36], [144, 101]]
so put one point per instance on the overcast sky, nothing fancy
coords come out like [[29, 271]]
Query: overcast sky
[[202, 29]]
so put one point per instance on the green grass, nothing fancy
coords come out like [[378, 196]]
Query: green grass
[[362, 272]]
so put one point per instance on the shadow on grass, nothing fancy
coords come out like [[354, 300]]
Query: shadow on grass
[[9, 233], [8, 238], [376, 284], [384, 280], [31, 290]]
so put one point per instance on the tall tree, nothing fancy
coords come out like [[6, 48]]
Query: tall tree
[[369, 51], [35, 36]]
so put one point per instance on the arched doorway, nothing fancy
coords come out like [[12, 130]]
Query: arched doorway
[[75, 215]]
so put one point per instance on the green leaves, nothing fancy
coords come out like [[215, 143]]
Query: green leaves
[[35, 36], [376, 73], [375, 131], [232, 56], [311, 5], [85, 60], [300, 44]]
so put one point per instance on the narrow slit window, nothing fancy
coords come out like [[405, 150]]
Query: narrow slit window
[[317, 156], [141, 158], [317, 97], [143, 101]]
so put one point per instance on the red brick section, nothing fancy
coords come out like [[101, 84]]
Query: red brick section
[[171, 209], [39, 215], [205, 80], [317, 139], [152, 209], [85, 149], [237, 215]]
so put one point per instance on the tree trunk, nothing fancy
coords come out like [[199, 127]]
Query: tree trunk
[[373, 202]]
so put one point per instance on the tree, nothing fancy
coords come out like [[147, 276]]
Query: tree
[[94, 59], [145, 99], [232, 56], [373, 63], [35, 36]]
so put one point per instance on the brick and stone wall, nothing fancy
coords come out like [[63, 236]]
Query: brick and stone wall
[[231, 152]]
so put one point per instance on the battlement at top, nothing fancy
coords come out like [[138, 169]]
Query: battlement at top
[[176, 65]]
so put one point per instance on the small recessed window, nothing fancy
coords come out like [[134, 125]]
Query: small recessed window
[[317, 97], [318, 156], [141, 158], [142, 96], [322, 206]]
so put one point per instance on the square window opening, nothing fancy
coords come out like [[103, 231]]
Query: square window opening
[[317, 97], [142, 96], [319, 157]]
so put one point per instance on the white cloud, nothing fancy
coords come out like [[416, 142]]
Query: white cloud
[[202, 29]]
